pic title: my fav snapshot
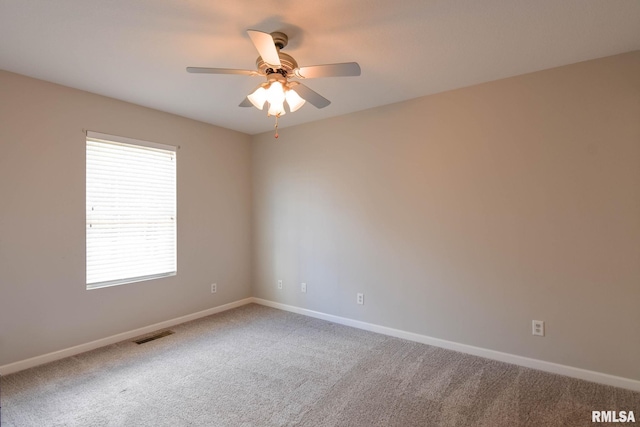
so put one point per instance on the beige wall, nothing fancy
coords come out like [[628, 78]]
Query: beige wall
[[44, 305], [461, 216], [467, 214]]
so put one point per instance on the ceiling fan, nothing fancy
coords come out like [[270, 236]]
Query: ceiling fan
[[279, 70]]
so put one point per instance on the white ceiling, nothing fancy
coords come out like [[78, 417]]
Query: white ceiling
[[137, 51]]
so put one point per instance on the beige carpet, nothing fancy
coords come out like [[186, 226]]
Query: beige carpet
[[257, 366]]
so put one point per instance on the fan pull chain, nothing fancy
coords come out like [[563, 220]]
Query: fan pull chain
[[276, 127]]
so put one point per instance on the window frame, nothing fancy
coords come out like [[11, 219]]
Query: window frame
[[154, 149]]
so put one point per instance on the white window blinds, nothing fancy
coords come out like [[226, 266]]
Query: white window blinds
[[131, 210]]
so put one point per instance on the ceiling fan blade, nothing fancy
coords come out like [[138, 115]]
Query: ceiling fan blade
[[266, 47], [245, 103], [221, 71], [311, 96], [344, 69]]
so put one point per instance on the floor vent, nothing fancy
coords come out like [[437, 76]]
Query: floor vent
[[153, 337]]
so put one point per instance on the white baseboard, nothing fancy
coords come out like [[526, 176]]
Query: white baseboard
[[555, 368], [72, 351], [570, 371]]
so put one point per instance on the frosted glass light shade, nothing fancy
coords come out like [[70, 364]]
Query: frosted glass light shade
[[258, 97], [276, 94], [276, 98], [276, 109], [294, 100]]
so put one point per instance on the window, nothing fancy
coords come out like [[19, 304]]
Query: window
[[131, 210]]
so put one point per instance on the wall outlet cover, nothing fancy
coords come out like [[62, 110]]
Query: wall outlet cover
[[537, 327]]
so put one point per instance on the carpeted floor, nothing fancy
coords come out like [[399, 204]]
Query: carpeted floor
[[257, 366]]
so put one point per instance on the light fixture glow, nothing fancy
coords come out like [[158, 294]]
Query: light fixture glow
[[276, 98], [294, 100], [258, 97], [276, 92], [276, 109]]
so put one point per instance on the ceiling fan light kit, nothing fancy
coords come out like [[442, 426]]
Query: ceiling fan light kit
[[278, 68], [276, 92]]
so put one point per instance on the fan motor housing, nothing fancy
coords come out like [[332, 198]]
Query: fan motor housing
[[287, 64]]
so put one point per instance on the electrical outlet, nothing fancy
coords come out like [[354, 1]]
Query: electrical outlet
[[214, 288], [303, 287], [360, 298], [279, 284], [537, 327]]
